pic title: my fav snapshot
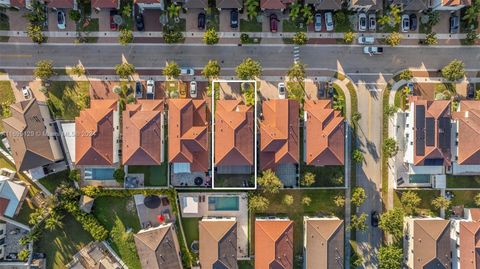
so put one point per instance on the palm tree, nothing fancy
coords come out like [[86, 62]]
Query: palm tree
[[294, 11], [252, 8], [174, 11], [307, 14], [384, 20], [471, 15], [53, 221], [339, 102]]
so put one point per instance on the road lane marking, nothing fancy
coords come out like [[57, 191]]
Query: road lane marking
[[16, 55]]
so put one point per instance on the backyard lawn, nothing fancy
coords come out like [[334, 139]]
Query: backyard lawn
[[250, 26], [463, 181], [24, 215], [67, 98], [51, 182], [425, 207], [465, 198], [154, 175], [190, 228], [7, 98], [325, 176], [293, 26]]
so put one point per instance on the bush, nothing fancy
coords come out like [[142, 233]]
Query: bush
[[406, 74], [211, 37], [287, 200], [390, 147], [308, 179], [171, 36], [74, 15], [258, 203], [23, 255], [431, 39], [357, 156], [454, 71], [393, 39], [244, 38], [300, 38], [119, 175], [125, 37], [74, 175], [349, 37]]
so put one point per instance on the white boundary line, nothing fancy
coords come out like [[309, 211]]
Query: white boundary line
[[255, 136]]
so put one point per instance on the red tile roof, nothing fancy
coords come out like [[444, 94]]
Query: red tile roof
[[105, 4], [468, 119], [470, 243], [275, 4], [279, 133], [431, 246], [325, 134], [60, 3], [274, 244], [3, 205], [17, 3]]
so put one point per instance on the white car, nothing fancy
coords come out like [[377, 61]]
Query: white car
[[366, 40], [281, 90], [318, 22], [362, 22], [193, 89], [372, 22], [329, 21], [150, 89], [61, 20], [187, 71], [405, 23], [26, 92]]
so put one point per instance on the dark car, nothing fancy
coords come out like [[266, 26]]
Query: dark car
[[471, 90], [234, 19], [273, 23], [201, 21], [374, 218], [454, 24], [413, 22], [139, 22], [138, 89], [113, 25]]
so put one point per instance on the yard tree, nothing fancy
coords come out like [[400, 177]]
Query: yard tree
[[392, 222], [348, 37], [53, 221], [295, 91], [433, 17], [300, 38], [431, 39], [295, 9], [393, 39], [390, 147], [296, 72], [258, 203], [24, 254], [248, 91], [119, 174], [356, 116], [308, 179], [384, 20], [395, 14], [74, 15], [252, 8], [74, 175], [441, 202], [307, 14], [44, 70], [171, 70], [358, 222], [248, 69], [211, 69], [471, 37], [339, 102], [211, 37], [406, 74], [270, 182], [339, 200], [173, 11], [306, 201], [124, 70], [125, 37], [358, 196], [357, 156], [471, 14], [78, 70], [390, 257], [453, 71], [410, 201], [477, 200], [287, 200], [35, 33]]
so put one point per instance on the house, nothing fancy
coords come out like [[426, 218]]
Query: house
[[273, 243], [324, 134], [150, 4], [218, 243], [143, 133], [412, 5], [11, 234], [279, 133], [323, 243], [275, 4], [65, 4], [229, 4], [158, 247], [97, 134], [105, 4], [465, 144], [465, 236], [12, 196], [449, 5], [192, 4], [188, 149], [95, 255], [17, 4], [31, 134], [325, 4], [427, 241], [234, 143], [365, 5]]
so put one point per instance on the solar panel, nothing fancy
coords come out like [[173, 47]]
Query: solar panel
[[444, 126], [419, 130], [433, 162], [430, 132]]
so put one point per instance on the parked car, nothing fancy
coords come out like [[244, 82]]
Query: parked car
[[150, 89], [321, 90], [329, 21], [405, 23], [373, 50], [374, 218], [362, 22], [471, 90], [366, 40], [234, 19], [318, 22], [27, 93], [273, 23], [372, 21], [201, 21], [413, 22], [187, 71], [454, 22], [113, 25], [281, 90], [193, 89], [139, 22], [138, 89], [61, 20]]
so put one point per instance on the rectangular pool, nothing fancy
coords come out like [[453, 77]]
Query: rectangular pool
[[99, 173], [223, 203]]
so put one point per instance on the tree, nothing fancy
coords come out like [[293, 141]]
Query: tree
[[287, 200], [339, 102], [477, 200], [248, 69], [391, 110], [433, 18], [258, 203], [306, 201], [431, 39], [358, 222], [174, 11], [35, 33], [124, 70], [211, 70], [125, 37], [392, 222], [24, 254], [471, 37], [296, 72], [348, 37], [252, 8], [300, 38], [74, 175], [307, 14], [295, 91], [441, 202], [384, 20], [44, 70], [294, 11], [74, 15], [53, 221], [357, 156], [358, 196], [119, 175], [171, 35], [453, 71], [356, 116], [171, 70], [393, 39], [339, 200], [308, 179], [211, 37], [270, 182], [390, 257], [78, 70], [410, 201], [406, 74], [390, 147], [248, 91]]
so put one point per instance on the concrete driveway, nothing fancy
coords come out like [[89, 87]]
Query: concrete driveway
[[17, 20], [151, 19], [225, 21], [103, 17], [192, 20], [53, 22]]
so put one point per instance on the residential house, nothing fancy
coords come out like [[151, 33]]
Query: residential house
[[465, 142], [275, 4], [17, 4], [427, 138], [229, 4], [274, 243], [12, 196], [365, 5], [188, 149], [218, 243], [64, 4], [465, 236], [143, 133], [325, 4], [11, 234], [105, 4], [192, 4], [234, 143], [427, 241], [412, 5], [158, 247], [31, 134], [449, 5], [95, 255], [324, 134], [150, 4], [323, 243]]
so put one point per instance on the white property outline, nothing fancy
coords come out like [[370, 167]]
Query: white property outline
[[255, 135]]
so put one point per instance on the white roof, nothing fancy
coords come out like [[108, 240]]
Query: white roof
[[189, 205], [13, 192], [69, 135]]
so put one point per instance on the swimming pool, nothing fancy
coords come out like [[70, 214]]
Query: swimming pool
[[223, 203], [99, 173]]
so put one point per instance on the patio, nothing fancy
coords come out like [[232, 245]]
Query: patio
[[287, 173], [134, 181], [153, 210], [188, 180], [13, 234]]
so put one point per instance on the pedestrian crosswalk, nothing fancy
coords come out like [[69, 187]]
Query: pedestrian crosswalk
[[296, 54]]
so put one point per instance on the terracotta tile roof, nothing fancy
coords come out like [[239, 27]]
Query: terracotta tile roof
[[468, 119], [279, 133], [158, 248], [17, 3], [456, 2], [94, 133], [60, 3], [324, 243], [432, 132], [3, 205], [274, 244], [26, 133], [275, 4], [218, 244], [431, 247], [470, 243], [188, 133], [229, 4], [142, 133], [325, 134], [234, 123], [105, 4]]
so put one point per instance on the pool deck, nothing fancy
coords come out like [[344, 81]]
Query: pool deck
[[241, 215]]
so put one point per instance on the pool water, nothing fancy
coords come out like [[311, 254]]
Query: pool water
[[223, 203], [99, 173], [419, 179]]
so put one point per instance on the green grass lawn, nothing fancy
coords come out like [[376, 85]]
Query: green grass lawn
[[400, 100], [213, 19], [325, 176], [7, 98], [246, 264], [51, 182], [67, 98], [425, 207], [250, 26], [91, 27], [342, 22], [61, 244], [190, 228], [293, 26], [24, 214], [233, 180], [5, 26], [154, 175], [465, 198], [463, 181]]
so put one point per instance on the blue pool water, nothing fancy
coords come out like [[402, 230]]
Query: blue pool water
[[99, 173], [223, 203]]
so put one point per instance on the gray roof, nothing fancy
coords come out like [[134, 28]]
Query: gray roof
[[218, 244], [229, 3], [193, 3], [326, 4], [412, 4]]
